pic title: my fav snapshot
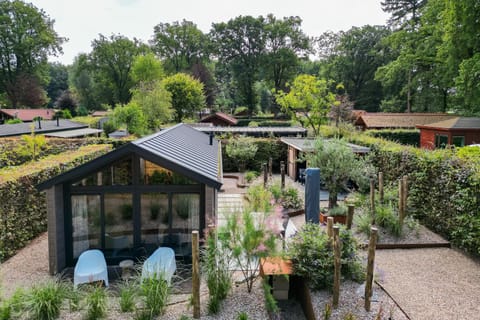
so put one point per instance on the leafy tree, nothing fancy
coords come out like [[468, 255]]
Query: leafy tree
[[147, 68], [181, 45], [357, 54], [155, 102], [132, 116], [112, 59], [203, 73], [83, 84], [242, 150], [308, 101], [337, 163], [342, 110], [240, 44], [34, 143], [403, 11], [284, 42], [28, 91], [27, 38], [68, 102], [187, 95], [58, 81]]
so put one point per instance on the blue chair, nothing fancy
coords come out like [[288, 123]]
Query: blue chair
[[91, 267], [160, 264]]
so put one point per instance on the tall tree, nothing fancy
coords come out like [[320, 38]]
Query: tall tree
[[355, 59], [147, 68], [187, 95], [309, 101], [181, 44], [112, 59], [58, 81], [27, 38], [240, 44], [403, 12], [84, 86]]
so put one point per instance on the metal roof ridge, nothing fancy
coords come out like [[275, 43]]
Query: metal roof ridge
[[156, 134]]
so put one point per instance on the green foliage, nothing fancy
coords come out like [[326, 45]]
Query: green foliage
[[327, 312], [276, 191], [339, 210], [96, 301], [253, 124], [44, 301], [33, 144], [187, 95], [146, 68], [216, 261], [259, 198], [91, 121], [13, 121], [250, 176], [249, 237], [270, 302], [26, 206], [240, 110], [403, 136], [241, 149], [308, 101], [290, 198], [242, 316], [312, 254], [155, 291], [132, 116]]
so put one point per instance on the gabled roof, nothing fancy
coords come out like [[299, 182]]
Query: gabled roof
[[29, 114], [307, 145], [17, 129], [180, 148], [455, 123], [222, 116], [399, 120], [251, 130]]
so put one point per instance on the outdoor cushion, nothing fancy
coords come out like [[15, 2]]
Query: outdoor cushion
[[161, 262], [90, 267]]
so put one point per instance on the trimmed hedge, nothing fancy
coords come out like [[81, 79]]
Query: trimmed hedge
[[23, 214], [444, 189], [267, 147], [402, 136]]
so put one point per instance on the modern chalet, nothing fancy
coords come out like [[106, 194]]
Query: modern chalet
[[149, 193]]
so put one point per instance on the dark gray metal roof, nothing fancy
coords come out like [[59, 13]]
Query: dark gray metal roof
[[186, 147], [74, 133], [17, 129], [180, 148], [306, 145], [455, 123], [253, 130]]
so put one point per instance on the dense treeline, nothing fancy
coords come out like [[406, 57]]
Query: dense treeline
[[426, 58]]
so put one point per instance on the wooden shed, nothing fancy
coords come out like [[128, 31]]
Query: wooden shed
[[459, 132]]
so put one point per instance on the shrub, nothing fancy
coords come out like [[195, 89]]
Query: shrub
[[241, 150], [127, 293], [259, 198], [96, 301], [291, 199], [270, 302], [155, 290], [403, 136], [251, 175], [276, 191], [44, 301], [312, 255], [13, 121]]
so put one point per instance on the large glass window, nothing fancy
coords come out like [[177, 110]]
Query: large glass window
[[153, 174], [441, 141], [458, 141], [119, 173], [86, 223], [118, 224], [185, 218], [155, 218]]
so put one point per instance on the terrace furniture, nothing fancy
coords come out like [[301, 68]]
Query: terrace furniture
[[160, 264], [301, 176], [127, 267], [91, 267]]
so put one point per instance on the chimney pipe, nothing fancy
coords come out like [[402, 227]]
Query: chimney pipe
[[211, 137], [39, 123], [58, 121]]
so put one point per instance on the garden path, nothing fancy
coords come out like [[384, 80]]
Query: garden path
[[434, 283]]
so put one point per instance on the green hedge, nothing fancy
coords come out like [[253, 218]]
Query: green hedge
[[23, 214], [267, 147], [402, 136], [444, 189]]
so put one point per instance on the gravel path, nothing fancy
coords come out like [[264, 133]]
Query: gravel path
[[432, 284]]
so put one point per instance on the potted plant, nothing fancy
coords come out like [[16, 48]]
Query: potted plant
[[339, 214]]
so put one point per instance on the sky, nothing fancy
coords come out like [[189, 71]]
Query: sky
[[81, 21]]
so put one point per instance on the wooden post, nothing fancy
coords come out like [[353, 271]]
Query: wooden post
[[371, 262], [380, 186], [270, 165], [282, 173], [337, 266], [265, 175], [330, 227], [372, 199], [351, 210], [195, 276]]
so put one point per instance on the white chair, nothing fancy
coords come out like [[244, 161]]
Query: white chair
[[91, 266], [160, 263]]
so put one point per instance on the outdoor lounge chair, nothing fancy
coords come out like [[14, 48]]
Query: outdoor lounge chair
[[160, 263], [91, 266]]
